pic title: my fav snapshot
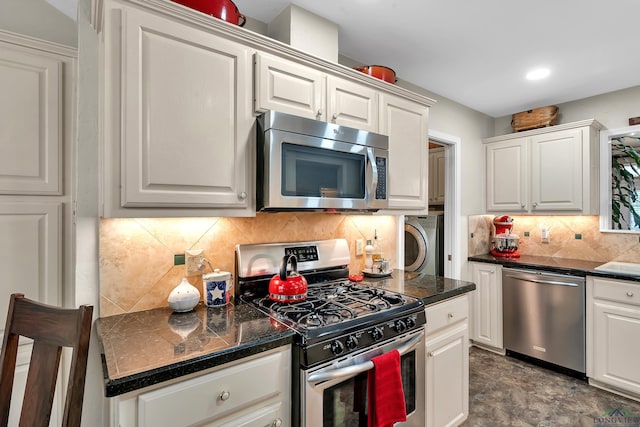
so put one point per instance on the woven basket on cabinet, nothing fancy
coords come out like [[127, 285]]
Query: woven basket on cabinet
[[536, 118]]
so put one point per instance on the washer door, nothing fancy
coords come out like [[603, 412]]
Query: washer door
[[416, 246]]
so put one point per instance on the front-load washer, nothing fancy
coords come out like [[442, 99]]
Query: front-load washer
[[423, 244]]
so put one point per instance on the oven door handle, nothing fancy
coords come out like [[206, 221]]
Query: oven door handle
[[361, 367]]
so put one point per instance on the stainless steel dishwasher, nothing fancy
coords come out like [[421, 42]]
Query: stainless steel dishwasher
[[544, 316]]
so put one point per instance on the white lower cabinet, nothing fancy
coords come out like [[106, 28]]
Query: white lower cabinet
[[447, 364], [486, 326], [613, 335], [254, 391]]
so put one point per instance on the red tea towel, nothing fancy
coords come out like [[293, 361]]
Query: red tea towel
[[386, 397]]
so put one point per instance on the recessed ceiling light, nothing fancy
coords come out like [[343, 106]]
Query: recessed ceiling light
[[537, 74]]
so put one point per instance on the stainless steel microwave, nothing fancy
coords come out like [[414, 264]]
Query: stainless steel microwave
[[305, 164]]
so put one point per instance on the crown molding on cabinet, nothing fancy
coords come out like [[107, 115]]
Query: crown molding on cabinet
[[39, 44], [589, 122], [255, 40]]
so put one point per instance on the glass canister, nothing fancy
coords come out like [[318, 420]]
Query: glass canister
[[218, 288]]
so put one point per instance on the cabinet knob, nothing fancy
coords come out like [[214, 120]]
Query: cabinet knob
[[334, 117], [243, 195], [277, 422], [319, 113], [225, 395], [535, 204], [430, 354], [629, 294], [450, 315], [523, 206]]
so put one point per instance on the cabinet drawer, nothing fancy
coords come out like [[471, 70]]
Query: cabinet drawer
[[615, 290], [200, 399], [447, 313]]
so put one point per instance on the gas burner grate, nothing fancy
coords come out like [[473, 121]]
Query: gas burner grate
[[331, 303]]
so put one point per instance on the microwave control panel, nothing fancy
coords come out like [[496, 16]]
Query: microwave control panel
[[381, 188]]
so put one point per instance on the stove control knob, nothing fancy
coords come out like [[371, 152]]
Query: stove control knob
[[352, 342], [400, 326], [411, 323], [377, 333], [337, 347]]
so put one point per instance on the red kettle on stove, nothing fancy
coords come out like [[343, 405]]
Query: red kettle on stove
[[288, 288]]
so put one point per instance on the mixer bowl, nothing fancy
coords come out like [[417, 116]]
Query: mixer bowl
[[506, 242]]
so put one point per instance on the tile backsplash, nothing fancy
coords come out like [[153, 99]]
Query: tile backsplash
[[576, 237], [136, 255]]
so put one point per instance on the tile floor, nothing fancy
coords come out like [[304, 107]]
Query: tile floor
[[508, 392]]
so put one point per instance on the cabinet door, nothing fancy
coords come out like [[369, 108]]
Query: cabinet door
[[31, 263], [32, 121], [616, 345], [506, 173], [447, 377], [437, 165], [289, 87], [556, 171], [406, 124], [486, 326], [272, 415], [185, 115], [352, 104]]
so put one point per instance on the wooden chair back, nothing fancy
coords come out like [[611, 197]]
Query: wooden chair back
[[51, 328]]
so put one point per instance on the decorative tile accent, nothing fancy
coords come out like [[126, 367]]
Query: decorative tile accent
[[480, 231], [136, 255], [593, 246]]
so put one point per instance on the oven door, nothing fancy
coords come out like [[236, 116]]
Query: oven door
[[336, 392]]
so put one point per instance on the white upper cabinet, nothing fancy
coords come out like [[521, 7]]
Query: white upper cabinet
[[181, 92], [179, 125], [289, 87], [557, 171], [298, 89], [506, 170], [552, 169], [406, 124], [32, 125], [352, 104]]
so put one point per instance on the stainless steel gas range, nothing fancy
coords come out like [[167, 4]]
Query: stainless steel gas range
[[340, 326]]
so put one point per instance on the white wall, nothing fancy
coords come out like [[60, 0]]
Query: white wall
[[37, 18], [612, 109]]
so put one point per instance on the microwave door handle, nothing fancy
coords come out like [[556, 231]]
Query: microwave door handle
[[349, 371], [374, 172]]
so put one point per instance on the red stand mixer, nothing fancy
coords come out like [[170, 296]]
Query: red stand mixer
[[505, 243]]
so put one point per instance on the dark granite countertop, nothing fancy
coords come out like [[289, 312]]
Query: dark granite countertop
[[144, 348], [148, 347], [575, 267], [430, 289]]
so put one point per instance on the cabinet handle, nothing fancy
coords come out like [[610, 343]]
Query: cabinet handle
[[225, 395], [277, 422], [629, 294], [430, 354], [243, 195], [335, 117], [450, 315], [535, 204], [319, 113]]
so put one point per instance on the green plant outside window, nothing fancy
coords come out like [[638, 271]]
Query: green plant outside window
[[625, 182]]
